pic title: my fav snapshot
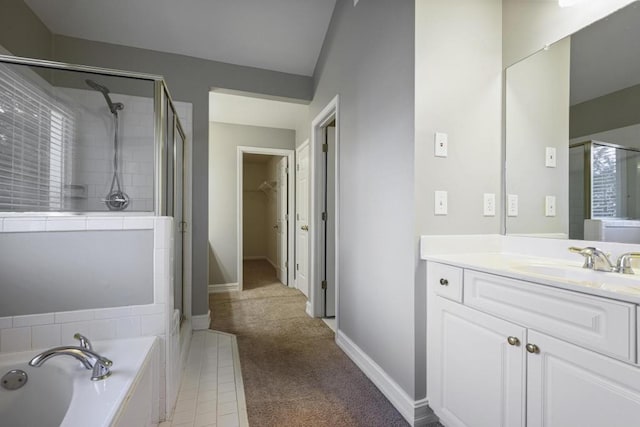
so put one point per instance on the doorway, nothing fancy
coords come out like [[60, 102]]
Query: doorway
[[324, 213], [265, 201]]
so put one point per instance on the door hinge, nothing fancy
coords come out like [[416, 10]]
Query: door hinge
[[325, 148], [182, 226], [286, 170], [286, 217], [297, 267], [286, 264], [324, 284], [324, 216]]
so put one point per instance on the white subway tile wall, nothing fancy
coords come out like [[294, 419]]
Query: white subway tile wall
[[92, 158]]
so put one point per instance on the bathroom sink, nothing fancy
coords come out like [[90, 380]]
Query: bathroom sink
[[582, 276]]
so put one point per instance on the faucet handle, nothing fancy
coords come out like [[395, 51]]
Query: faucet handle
[[624, 262], [101, 369], [84, 341], [587, 253]]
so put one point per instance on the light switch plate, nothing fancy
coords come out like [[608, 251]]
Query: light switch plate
[[550, 205], [512, 205], [441, 142], [489, 207], [440, 203], [550, 157]]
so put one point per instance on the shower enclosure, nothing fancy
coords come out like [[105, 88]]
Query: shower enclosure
[[84, 140]]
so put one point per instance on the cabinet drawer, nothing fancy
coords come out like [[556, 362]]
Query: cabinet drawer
[[446, 280], [601, 324]]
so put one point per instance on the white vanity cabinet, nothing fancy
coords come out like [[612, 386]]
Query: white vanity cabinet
[[514, 353]]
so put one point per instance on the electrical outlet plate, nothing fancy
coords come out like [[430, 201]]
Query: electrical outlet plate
[[550, 205], [512, 205], [550, 157], [489, 208], [441, 142], [440, 199]]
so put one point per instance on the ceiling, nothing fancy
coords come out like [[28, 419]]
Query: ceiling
[[247, 110], [280, 35]]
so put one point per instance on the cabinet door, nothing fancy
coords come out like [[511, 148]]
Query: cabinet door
[[475, 377], [570, 386]]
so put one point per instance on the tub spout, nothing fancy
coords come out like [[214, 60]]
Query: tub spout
[[91, 360]]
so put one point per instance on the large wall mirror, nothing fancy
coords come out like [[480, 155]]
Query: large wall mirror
[[572, 134]]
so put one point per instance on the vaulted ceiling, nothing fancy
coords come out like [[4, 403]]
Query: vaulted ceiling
[[280, 35]]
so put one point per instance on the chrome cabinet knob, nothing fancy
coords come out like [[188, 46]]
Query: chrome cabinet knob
[[532, 348], [444, 282], [513, 341]]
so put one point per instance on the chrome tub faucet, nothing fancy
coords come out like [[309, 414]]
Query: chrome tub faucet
[[99, 365]]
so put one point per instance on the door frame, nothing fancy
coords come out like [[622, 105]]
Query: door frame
[[289, 154], [329, 113], [297, 151]]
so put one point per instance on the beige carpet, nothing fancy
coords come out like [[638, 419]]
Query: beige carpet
[[294, 373]]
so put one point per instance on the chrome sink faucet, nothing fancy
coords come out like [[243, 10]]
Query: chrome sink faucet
[[597, 260], [594, 258], [99, 365]]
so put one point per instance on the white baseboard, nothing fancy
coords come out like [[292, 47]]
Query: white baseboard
[[224, 287], [416, 412], [308, 309], [201, 322]]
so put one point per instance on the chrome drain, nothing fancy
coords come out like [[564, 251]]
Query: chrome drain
[[14, 379]]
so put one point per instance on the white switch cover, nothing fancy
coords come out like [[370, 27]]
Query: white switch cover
[[550, 205], [512, 205], [489, 208], [440, 203], [441, 141], [550, 157]]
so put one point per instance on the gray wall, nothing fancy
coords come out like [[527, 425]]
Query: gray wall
[[223, 204], [189, 80], [530, 25], [368, 59], [612, 111], [537, 116], [74, 270], [22, 32]]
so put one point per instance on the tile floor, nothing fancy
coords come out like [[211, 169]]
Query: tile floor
[[211, 393]]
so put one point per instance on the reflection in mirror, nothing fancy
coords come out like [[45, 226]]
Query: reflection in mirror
[[582, 92]]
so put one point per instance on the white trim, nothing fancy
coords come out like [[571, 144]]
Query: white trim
[[224, 287], [416, 412], [307, 309], [328, 113], [201, 322], [289, 154]]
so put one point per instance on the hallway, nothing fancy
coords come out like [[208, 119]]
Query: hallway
[[294, 373]]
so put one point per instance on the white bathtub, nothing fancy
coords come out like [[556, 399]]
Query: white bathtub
[[61, 393]]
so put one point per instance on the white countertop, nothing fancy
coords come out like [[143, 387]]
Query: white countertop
[[559, 273]]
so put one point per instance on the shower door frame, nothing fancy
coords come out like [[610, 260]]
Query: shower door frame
[[161, 96]]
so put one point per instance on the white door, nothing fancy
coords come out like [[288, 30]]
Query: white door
[[476, 378], [282, 221], [569, 386], [302, 219], [330, 223]]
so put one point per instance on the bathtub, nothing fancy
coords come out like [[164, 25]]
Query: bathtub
[[60, 392]]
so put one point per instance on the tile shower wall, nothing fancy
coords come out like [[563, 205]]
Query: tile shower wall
[[92, 157]]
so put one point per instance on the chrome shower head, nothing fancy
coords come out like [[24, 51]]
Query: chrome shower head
[[113, 107]]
